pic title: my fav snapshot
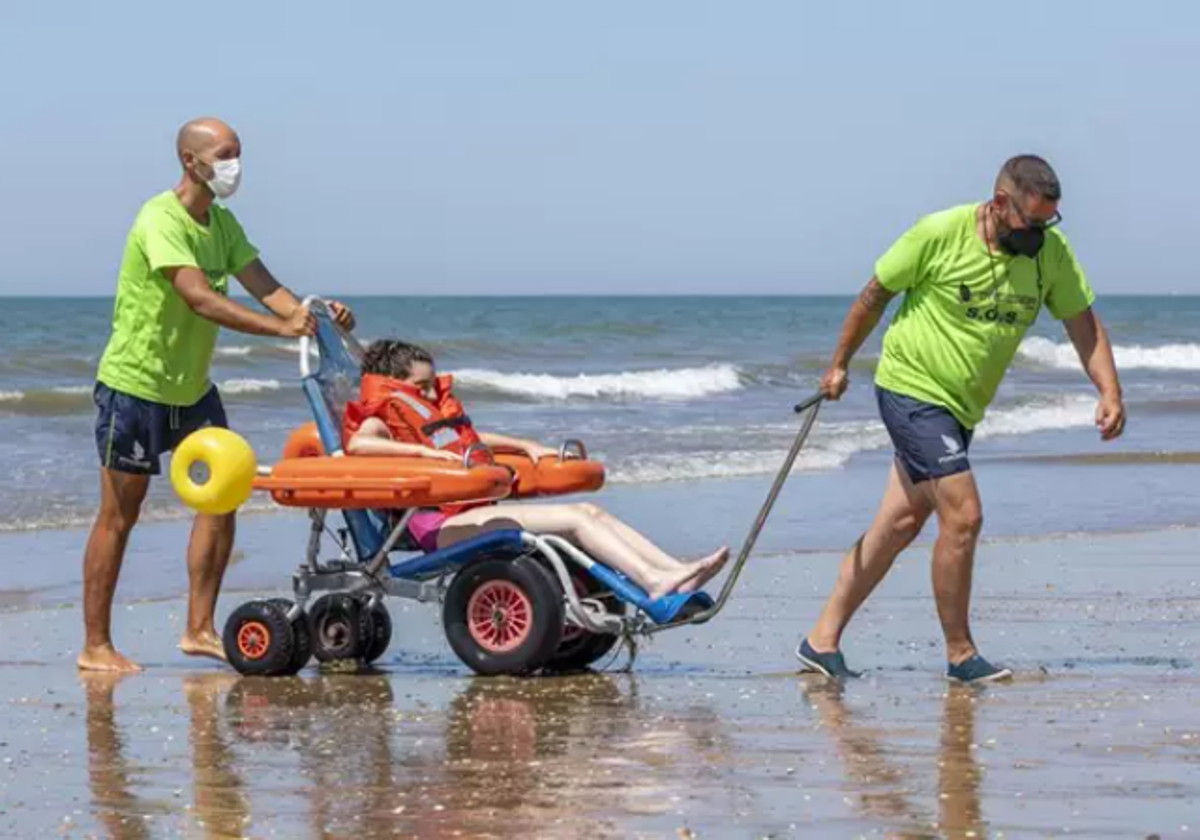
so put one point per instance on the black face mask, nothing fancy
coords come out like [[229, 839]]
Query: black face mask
[[1025, 242]]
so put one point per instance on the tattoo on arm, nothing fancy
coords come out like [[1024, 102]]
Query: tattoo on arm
[[874, 297]]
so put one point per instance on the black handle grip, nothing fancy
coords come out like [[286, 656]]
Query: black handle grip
[[809, 403]]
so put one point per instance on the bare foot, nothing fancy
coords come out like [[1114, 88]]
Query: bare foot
[[204, 643], [106, 658], [673, 582], [710, 567]]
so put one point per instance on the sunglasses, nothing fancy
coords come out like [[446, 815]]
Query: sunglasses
[[1035, 224]]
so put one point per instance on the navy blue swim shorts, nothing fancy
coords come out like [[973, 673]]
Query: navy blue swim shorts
[[930, 442], [132, 433]]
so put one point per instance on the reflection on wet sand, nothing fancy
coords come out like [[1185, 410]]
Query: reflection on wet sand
[[333, 756], [552, 757], [339, 729], [220, 807], [959, 775], [110, 776], [888, 789]]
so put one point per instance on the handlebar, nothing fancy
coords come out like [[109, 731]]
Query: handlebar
[[314, 303], [572, 444], [477, 447], [804, 406]]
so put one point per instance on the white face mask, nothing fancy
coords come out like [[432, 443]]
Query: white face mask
[[227, 174]]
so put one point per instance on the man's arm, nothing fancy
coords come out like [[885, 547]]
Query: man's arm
[[1095, 353], [192, 286], [864, 315], [259, 282]]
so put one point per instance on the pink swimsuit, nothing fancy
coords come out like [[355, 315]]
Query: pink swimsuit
[[424, 528]]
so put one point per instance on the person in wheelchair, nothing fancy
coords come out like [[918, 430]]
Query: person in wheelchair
[[405, 409]]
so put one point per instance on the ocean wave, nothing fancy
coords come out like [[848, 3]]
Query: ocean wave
[[66, 400], [1062, 356], [82, 515], [663, 384], [1069, 412], [48, 402], [249, 386], [833, 444]]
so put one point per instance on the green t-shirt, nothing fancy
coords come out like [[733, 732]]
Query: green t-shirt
[[160, 350], [958, 328]]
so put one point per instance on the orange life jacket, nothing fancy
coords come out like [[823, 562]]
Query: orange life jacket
[[410, 418]]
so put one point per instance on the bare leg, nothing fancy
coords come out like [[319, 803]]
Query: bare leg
[[208, 556], [578, 523], [960, 519], [659, 559], [121, 496], [902, 514]]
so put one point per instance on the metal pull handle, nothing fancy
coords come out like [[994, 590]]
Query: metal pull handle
[[564, 451], [809, 403], [477, 447]]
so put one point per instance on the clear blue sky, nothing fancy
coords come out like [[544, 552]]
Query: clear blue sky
[[537, 147]]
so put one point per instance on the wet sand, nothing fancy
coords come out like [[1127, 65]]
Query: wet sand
[[712, 734]]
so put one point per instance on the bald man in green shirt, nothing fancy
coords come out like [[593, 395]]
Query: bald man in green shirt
[[153, 387], [974, 279]]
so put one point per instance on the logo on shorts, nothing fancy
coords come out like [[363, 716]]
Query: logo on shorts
[[954, 450], [138, 461]]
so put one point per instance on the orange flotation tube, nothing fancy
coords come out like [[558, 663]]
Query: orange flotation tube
[[307, 478], [554, 476], [304, 442], [551, 476], [370, 482]]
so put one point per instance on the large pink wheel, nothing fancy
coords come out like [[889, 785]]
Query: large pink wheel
[[504, 616], [500, 616]]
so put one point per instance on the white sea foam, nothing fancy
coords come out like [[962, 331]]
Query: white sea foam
[[249, 386], [663, 384], [1062, 356], [833, 444], [1070, 412], [59, 390]]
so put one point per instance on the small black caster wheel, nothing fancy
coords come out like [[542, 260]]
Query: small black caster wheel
[[259, 640], [340, 625]]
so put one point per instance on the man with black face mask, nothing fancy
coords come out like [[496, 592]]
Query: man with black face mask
[[974, 279]]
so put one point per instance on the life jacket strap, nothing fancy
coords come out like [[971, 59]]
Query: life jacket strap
[[429, 429]]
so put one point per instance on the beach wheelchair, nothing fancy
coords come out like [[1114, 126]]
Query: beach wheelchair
[[512, 602]]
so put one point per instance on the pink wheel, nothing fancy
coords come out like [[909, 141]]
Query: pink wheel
[[503, 616], [499, 616]]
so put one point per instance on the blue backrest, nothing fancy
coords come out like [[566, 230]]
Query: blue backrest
[[333, 383]]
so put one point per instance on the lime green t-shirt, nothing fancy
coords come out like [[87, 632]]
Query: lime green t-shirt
[[160, 350], [960, 326]]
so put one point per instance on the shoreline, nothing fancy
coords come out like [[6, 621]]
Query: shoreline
[[253, 568]]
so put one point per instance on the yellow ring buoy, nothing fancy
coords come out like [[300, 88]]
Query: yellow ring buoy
[[213, 471]]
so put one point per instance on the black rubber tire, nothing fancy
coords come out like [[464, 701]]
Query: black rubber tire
[[264, 621], [578, 653], [545, 627], [376, 642], [303, 641], [339, 625]]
